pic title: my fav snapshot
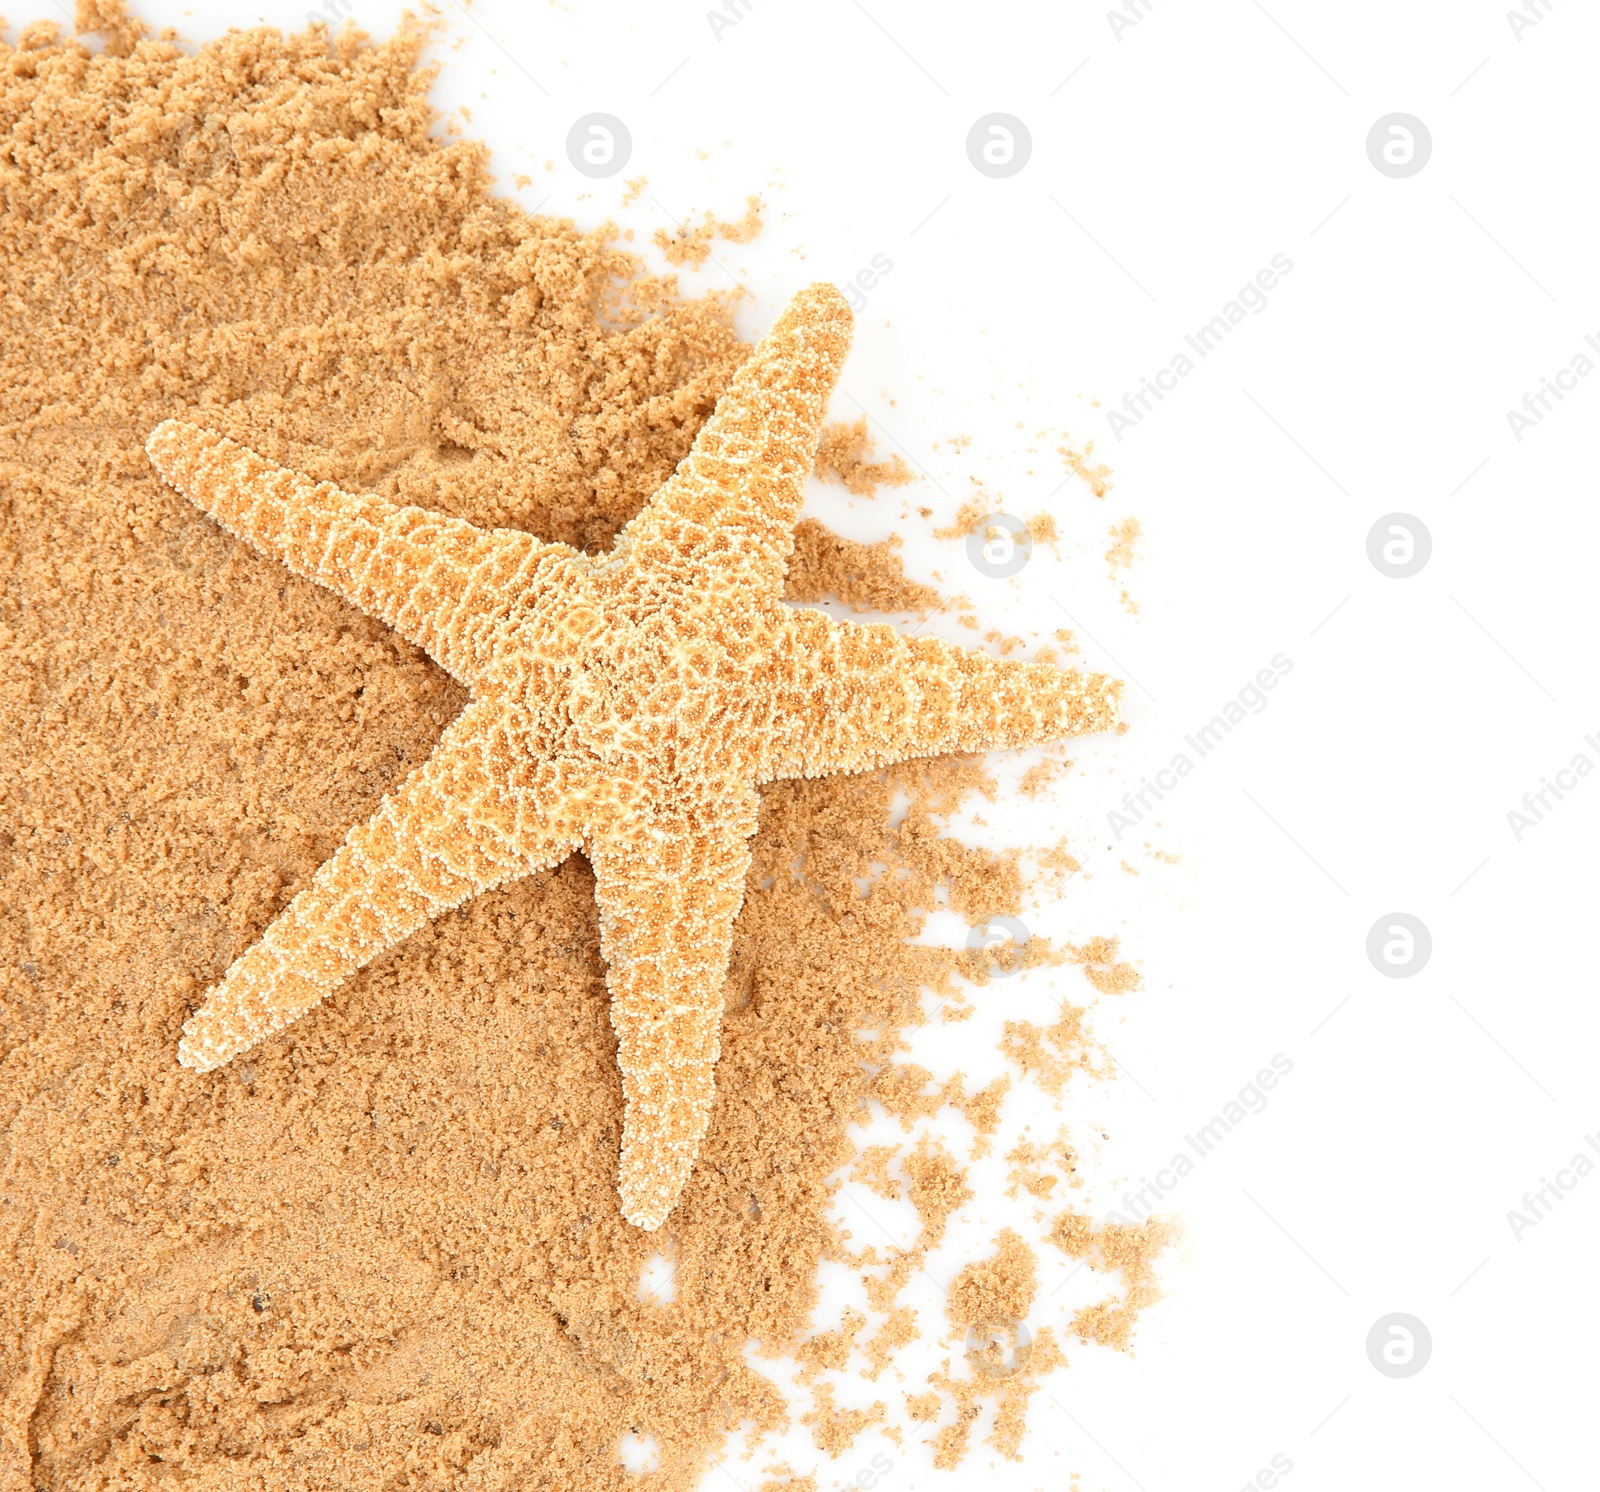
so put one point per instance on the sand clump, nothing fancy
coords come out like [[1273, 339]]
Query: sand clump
[[1098, 476], [691, 243], [867, 577], [1120, 556], [383, 1247], [1004, 1361], [843, 455], [1126, 1250]]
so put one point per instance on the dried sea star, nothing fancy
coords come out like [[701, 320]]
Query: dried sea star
[[628, 705]]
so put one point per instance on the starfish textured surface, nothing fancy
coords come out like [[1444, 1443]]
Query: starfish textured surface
[[628, 705]]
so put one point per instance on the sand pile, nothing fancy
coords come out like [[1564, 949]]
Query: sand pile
[[383, 1249]]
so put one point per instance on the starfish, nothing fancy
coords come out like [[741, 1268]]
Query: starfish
[[628, 705]]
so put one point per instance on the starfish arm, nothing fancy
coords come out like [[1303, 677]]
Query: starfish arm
[[669, 889], [438, 581], [726, 516], [858, 697], [450, 831]]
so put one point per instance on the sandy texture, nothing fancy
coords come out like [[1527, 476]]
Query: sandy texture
[[691, 244], [629, 705], [870, 577], [844, 455], [383, 1249], [1124, 1249]]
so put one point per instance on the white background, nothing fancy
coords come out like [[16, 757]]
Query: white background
[[1169, 164]]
